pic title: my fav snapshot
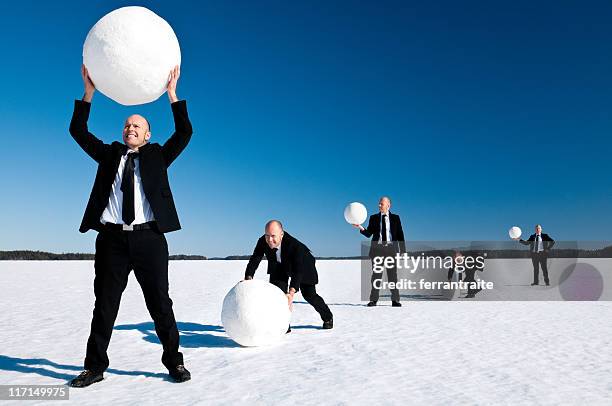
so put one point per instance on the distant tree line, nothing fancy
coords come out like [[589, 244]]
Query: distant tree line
[[68, 256], [247, 257], [183, 257], [606, 252], [42, 256]]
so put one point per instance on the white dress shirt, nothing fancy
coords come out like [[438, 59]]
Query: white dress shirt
[[142, 209], [539, 244]]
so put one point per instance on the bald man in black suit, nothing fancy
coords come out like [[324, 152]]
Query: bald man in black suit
[[289, 258], [387, 234], [131, 207], [540, 245]]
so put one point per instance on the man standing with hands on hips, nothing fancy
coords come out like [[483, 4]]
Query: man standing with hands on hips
[[131, 207], [387, 234]]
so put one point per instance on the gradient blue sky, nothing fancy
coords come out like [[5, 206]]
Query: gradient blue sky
[[473, 116]]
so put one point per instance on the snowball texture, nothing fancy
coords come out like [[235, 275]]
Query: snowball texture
[[515, 232], [129, 54], [355, 213], [255, 313]]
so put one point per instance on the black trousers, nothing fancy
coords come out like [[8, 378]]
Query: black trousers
[[539, 259], [469, 277], [384, 251], [309, 292], [117, 253]]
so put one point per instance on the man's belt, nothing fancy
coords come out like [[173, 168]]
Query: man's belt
[[151, 225]]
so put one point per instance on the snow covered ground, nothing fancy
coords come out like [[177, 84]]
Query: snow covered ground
[[426, 352]]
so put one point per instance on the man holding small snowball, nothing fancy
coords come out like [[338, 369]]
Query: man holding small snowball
[[387, 234]]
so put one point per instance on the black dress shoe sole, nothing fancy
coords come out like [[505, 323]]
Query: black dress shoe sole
[[73, 384], [180, 379], [183, 377], [179, 374]]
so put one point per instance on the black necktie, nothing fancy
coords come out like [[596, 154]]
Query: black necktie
[[274, 250], [127, 187], [384, 228]]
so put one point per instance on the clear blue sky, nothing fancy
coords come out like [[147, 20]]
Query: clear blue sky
[[473, 116]]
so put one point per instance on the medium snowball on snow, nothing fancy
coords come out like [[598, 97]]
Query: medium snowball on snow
[[129, 54], [255, 313], [515, 232], [355, 213]]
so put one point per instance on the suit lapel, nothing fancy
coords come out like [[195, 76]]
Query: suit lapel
[[285, 251], [285, 248], [118, 152]]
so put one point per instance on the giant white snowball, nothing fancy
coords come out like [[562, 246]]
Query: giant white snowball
[[129, 54], [355, 213], [255, 313], [515, 232]]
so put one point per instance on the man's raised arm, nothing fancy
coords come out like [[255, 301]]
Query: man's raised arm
[[182, 126], [78, 125]]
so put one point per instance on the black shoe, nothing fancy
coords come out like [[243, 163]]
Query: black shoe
[[179, 373], [396, 304], [470, 296], [289, 329], [371, 304], [547, 284], [328, 324], [86, 378], [535, 284]]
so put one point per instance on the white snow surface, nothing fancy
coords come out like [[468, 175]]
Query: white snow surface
[[426, 352]]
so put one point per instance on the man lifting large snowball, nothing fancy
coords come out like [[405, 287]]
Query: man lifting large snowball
[[131, 207], [134, 57], [289, 258]]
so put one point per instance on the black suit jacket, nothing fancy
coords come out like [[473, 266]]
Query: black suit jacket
[[395, 225], [297, 261], [547, 242], [154, 161]]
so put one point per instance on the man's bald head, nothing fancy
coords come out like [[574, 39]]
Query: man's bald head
[[384, 204], [274, 233], [274, 223], [136, 131]]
